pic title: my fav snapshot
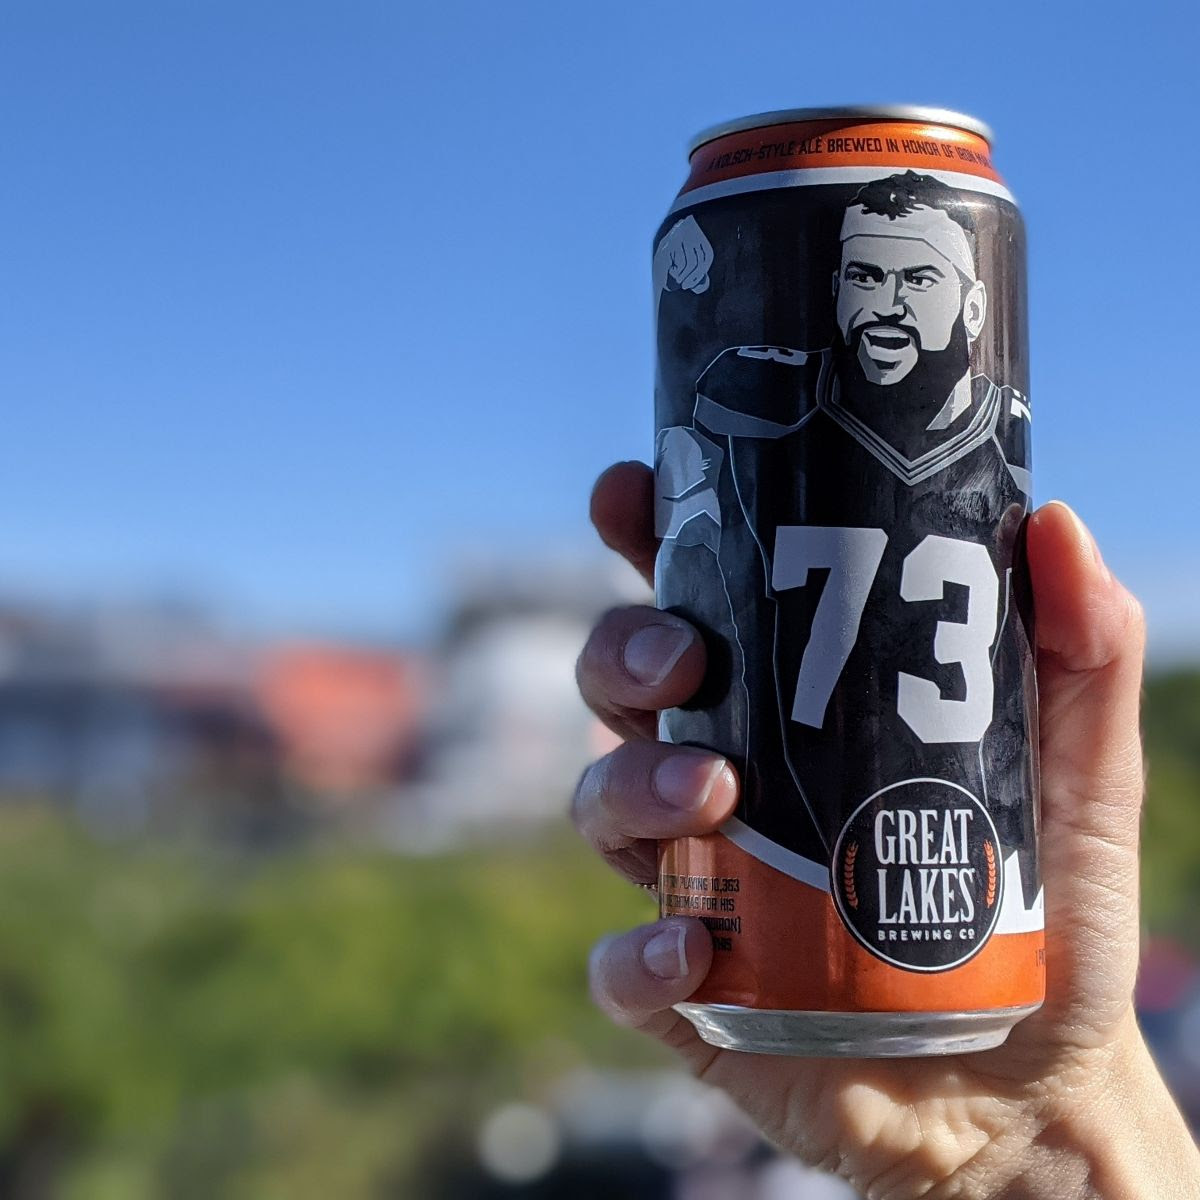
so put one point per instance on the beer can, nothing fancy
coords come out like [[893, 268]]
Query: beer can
[[842, 481]]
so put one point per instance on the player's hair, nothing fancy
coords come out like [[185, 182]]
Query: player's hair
[[897, 196]]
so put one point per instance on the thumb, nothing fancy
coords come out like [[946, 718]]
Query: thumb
[[1090, 643]]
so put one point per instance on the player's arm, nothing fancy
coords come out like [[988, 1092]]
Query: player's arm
[[682, 258]]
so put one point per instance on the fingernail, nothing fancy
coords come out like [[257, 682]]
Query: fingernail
[[665, 954], [686, 780], [650, 653]]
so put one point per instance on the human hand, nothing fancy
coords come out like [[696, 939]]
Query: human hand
[[1071, 1105], [683, 257]]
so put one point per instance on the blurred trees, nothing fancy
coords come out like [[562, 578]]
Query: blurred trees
[[174, 1024], [178, 1023], [1171, 828]]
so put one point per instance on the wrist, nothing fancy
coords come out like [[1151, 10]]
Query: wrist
[[1116, 1135]]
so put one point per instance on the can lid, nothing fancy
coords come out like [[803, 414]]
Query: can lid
[[882, 112]]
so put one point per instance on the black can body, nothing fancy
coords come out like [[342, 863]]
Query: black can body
[[843, 474]]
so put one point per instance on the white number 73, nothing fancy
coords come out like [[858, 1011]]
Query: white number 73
[[853, 557]]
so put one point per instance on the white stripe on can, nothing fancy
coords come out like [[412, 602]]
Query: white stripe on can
[[808, 176], [774, 855]]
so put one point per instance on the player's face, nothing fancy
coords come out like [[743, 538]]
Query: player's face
[[896, 296]]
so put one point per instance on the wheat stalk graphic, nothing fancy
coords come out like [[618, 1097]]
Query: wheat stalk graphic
[[848, 876], [990, 855]]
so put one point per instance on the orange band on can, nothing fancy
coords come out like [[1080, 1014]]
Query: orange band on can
[[780, 944], [840, 143]]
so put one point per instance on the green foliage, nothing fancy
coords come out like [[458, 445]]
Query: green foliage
[[1171, 830], [287, 1027]]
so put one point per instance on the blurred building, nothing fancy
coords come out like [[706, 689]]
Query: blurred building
[[112, 710], [346, 718], [508, 734], [148, 719], [156, 718]]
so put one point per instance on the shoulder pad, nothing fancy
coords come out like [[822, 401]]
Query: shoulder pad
[[765, 384], [779, 354]]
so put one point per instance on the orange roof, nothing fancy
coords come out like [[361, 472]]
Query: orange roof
[[344, 716]]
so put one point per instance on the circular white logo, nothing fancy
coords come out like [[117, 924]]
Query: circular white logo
[[916, 875]]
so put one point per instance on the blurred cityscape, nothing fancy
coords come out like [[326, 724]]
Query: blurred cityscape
[[338, 871], [160, 721]]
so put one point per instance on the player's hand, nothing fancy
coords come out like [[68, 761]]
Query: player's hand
[[683, 258], [1071, 1105]]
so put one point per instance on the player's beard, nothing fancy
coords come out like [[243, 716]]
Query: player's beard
[[900, 412]]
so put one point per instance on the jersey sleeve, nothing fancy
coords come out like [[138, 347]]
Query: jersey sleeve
[[757, 391], [686, 507]]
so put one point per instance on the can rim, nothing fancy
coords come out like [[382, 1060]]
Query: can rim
[[890, 112]]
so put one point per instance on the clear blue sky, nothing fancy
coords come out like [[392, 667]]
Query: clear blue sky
[[298, 301]]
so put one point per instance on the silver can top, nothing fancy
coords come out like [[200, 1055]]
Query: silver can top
[[881, 112]]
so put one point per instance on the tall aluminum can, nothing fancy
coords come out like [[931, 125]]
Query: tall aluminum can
[[842, 481]]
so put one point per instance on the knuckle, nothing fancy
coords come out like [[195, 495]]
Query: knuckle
[[599, 649], [601, 982], [585, 798], [598, 983], [593, 810], [610, 617], [1135, 618]]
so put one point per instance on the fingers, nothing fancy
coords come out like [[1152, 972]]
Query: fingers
[[1090, 640], [636, 661], [1086, 619], [678, 262], [1090, 637], [623, 514], [644, 791], [691, 260], [635, 979], [700, 259], [637, 976], [697, 270]]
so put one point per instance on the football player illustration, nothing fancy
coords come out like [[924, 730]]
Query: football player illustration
[[880, 487]]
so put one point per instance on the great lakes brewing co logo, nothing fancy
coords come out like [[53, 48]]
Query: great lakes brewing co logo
[[915, 875]]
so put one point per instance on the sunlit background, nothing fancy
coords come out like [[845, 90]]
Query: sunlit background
[[316, 323]]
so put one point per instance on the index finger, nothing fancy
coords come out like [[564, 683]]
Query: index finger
[[623, 514]]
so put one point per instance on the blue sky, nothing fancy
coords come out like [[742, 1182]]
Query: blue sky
[[301, 302]]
